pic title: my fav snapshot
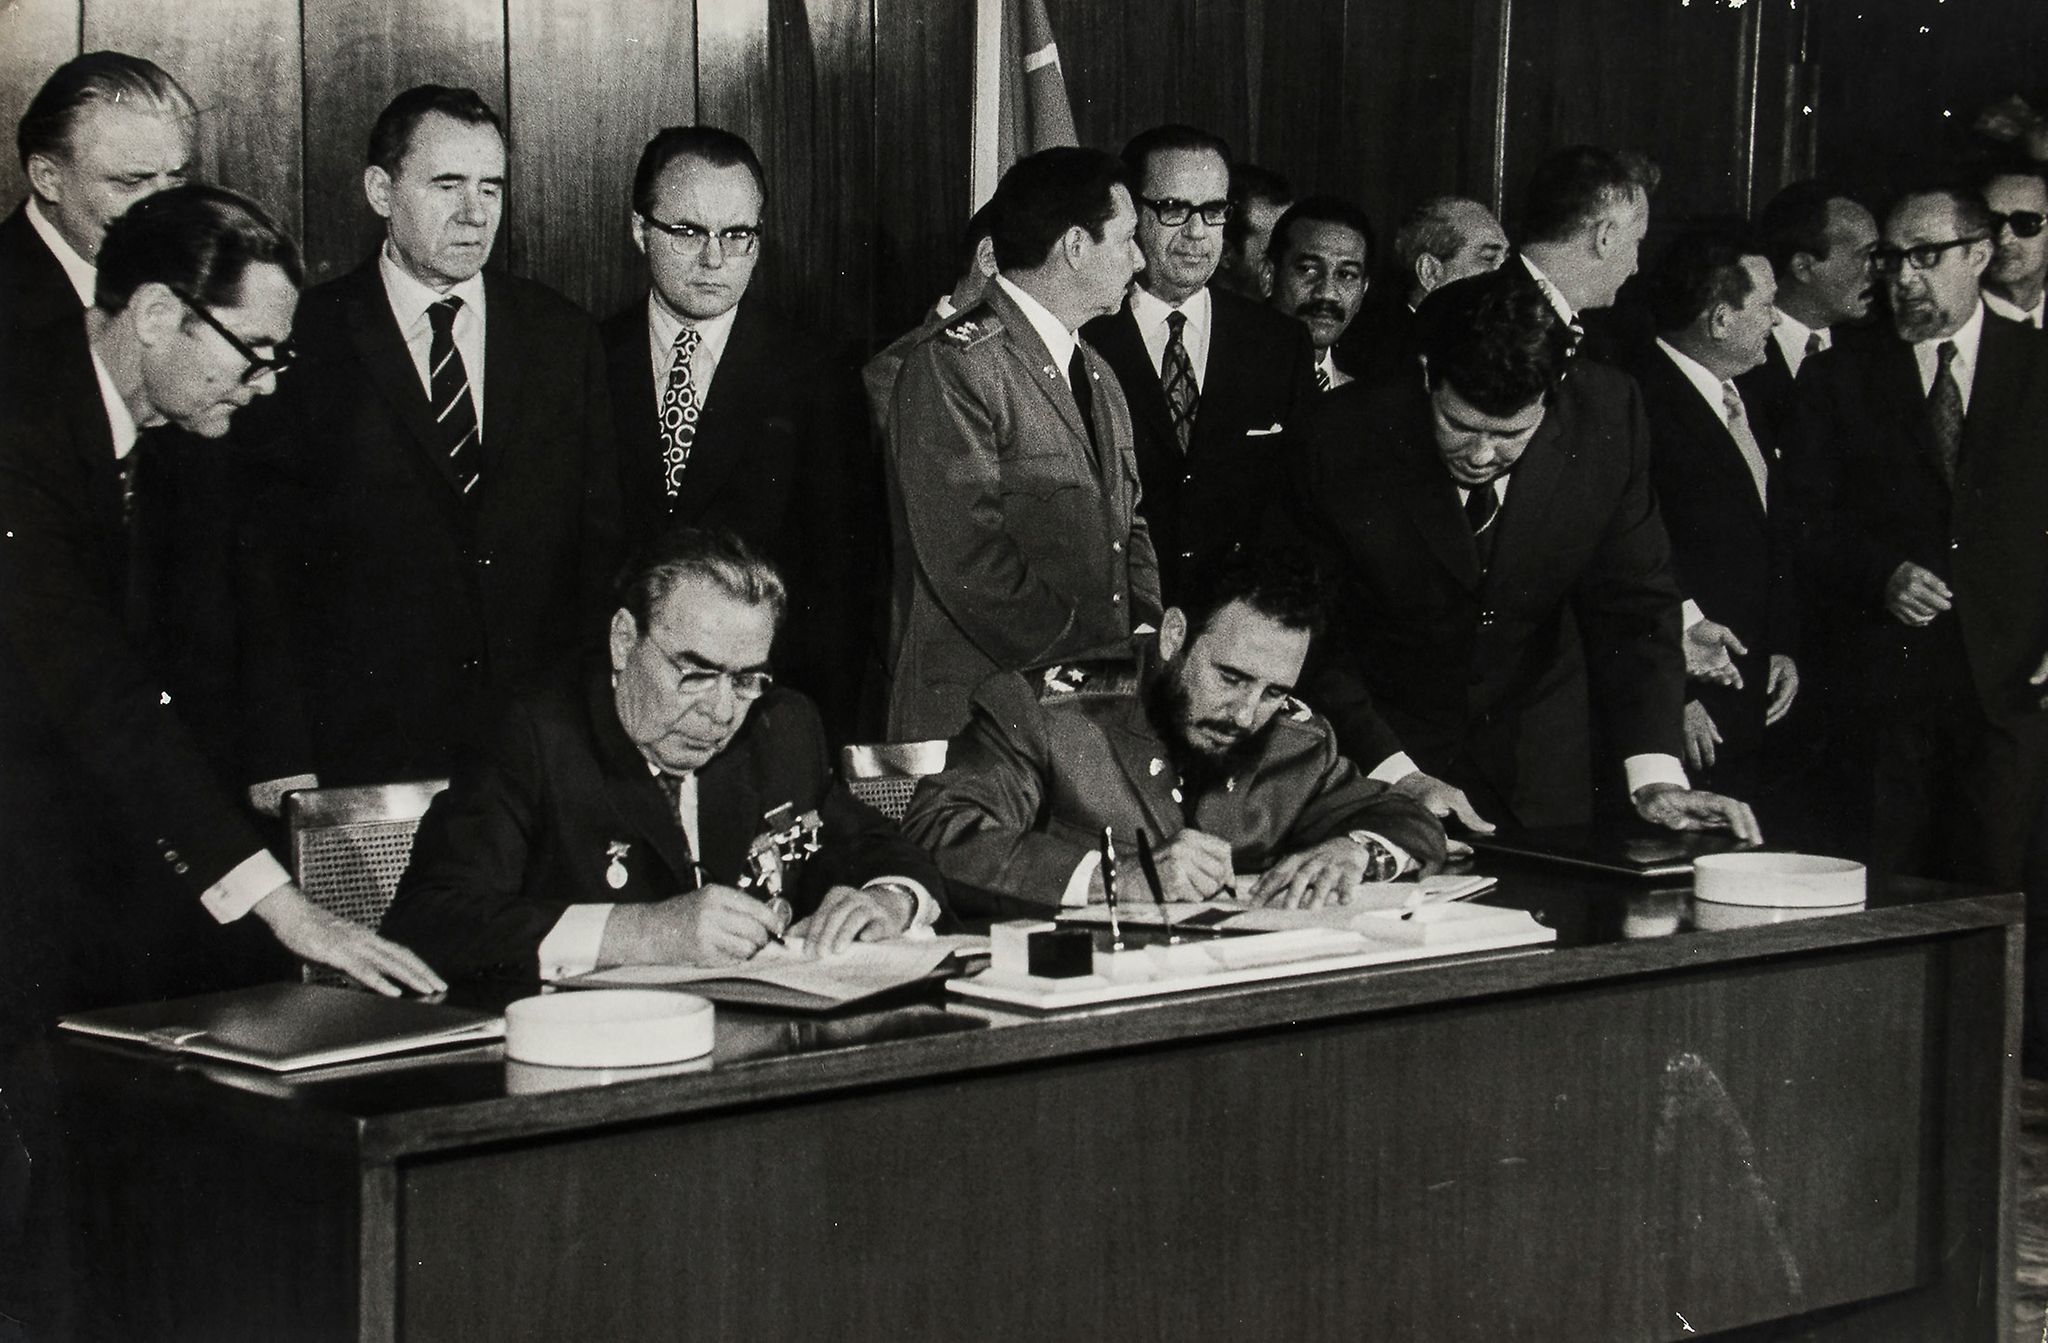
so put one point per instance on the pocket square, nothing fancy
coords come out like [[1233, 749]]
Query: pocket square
[[1261, 433]]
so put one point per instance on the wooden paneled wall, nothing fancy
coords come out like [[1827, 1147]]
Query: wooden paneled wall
[[861, 108]]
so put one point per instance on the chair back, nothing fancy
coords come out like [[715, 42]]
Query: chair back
[[350, 845], [885, 774]]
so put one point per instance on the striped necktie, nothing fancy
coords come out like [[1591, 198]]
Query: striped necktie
[[454, 407]]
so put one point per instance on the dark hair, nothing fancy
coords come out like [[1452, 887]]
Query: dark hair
[[1280, 584], [96, 77], [981, 224], [714, 554], [391, 137], [1698, 270], [1321, 210], [2009, 166], [1249, 182], [718, 148], [1796, 221], [1494, 338], [1429, 230], [1045, 194], [1974, 219], [1140, 148], [200, 240], [1578, 185]]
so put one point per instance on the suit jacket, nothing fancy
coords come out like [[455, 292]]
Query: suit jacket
[[1483, 677], [1730, 555], [1013, 546], [532, 828], [389, 610], [113, 819], [1210, 501], [34, 291], [1050, 758], [1380, 345], [1871, 497], [1767, 392], [780, 459]]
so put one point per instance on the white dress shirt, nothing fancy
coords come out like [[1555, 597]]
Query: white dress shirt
[[409, 303], [2036, 316], [82, 274], [1558, 302], [1151, 313], [1059, 342], [1792, 336], [1328, 366], [1963, 368], [712, 335]]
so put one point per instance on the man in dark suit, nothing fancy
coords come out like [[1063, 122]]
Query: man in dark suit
[[1197, 741], [1480, 619], [442, 519], [1321, 255], [2016, 281], [1258, 197], [1442, 240], [1924, 491], [1714, 468], [611, 821], [1584, 217], [1818, 240], [105, 130], [1212, 379], [730, 415], [1013, 491]]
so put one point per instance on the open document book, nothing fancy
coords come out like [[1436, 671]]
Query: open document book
[[790, 976]]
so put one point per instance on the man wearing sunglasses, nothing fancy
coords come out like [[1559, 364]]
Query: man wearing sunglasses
[[610, 819], [1927, 488], [1213, 379], [2016, 281], [731, 415]]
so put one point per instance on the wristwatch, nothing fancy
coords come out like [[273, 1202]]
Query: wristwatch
[[1380, 864]]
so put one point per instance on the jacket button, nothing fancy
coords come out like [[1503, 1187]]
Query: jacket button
[[181, 869], [1187, 554], [1117, 547], [1115, 598], [170, 855]]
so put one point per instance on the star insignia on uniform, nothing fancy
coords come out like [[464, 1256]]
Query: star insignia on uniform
[[1158, 767], [1230, 785], [963, 331]]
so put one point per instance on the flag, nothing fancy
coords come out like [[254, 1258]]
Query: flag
[[1020, 92]]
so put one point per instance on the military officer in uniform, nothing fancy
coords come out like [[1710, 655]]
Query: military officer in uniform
[[1013, 489], [1196, 740]]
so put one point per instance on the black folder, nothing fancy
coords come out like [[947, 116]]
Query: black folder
[[1644, 851]]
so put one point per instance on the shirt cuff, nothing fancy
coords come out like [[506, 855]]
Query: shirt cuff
[[573, 945], [1402, 861], [1076, 894], [1689, 614], [1393, 769], [927, 908], [1656, 767], [244, 887]]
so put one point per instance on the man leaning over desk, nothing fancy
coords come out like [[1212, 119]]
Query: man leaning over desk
[[1197, 740], [611, 821]]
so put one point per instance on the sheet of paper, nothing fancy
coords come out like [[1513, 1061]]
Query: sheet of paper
[[1368, 896], [860, 970]]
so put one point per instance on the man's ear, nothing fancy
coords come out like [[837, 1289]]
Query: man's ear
[[45, 178], [1718, 318], [638, 229], [1603, 235], [1072, 243], [377, 190], [1173, 633], [1429, 273], [624, 634], [156, 312], [1262, 271], [1802, 267]]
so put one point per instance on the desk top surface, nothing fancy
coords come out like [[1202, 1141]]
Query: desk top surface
[[1607, 929]]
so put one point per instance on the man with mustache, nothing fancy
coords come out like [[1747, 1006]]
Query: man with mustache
[[1214, 380], [1321, 256], [440, 519], [731, 415], [1197, 740]]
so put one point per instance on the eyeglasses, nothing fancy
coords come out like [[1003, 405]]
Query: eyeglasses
[[277, 361], [698, 682], [1173, 212], [691, 239], [2024, 223], [1924, 256]]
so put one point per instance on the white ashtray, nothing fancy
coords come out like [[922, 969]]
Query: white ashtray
[[1777, 880], [1712, 918], [608, 1028]]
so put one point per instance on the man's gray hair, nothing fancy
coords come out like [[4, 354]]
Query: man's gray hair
[[712, 554]]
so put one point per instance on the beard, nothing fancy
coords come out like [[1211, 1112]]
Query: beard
[[1171, 712]]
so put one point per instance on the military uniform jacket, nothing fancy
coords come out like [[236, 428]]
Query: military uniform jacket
[[1054, 755], [1013, 546]]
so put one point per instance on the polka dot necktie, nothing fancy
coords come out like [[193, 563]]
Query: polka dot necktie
[[680, 409]]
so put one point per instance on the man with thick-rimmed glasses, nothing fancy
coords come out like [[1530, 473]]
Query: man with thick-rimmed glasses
[[610, 821], [729, 414]]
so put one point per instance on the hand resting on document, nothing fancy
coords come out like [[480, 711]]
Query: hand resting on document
[[712, 925]]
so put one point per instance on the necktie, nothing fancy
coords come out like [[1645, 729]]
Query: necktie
[[1945, 412], [1322, 378], [679, 411], [1745, 440], [1814, 344], [1084, 400], [672, 789], [1177, 375], [1482, 506], [448, 389]]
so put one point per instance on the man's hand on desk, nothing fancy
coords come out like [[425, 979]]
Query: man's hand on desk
[[1677, 808], [1323, 875], [1710, 653], [712, 925], [1443, 800], [852, 914], [312, 934]]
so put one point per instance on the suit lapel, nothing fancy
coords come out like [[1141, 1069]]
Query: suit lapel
[[1221, 383], [1021, 341], [729, 811], [504, 390], [1124, 349], [1710, 436], [1535, 479], [1895, 385], [1431, 497], [1137, 750], [722, 440], [637, 801], [374, 333], [1997, 389]]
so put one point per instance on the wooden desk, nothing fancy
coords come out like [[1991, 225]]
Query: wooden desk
[[1645, 1130]]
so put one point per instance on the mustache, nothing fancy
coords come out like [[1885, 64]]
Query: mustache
[[1320, 307]]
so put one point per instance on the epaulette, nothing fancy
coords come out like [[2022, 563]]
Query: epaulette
[[972, 327], [1068, 680], [1292, 710]]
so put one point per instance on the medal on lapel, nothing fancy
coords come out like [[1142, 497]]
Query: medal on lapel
[[615, 870]]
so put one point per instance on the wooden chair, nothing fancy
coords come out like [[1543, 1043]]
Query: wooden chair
[[885, 774]]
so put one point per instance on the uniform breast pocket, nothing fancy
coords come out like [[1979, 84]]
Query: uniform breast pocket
[[1041, 476]]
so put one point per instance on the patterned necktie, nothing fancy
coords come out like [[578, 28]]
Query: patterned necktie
[[679, 411], [1482, 506], [1945, 412], [1322, 377], [1177, 375], [448, 389], [1745, 440]]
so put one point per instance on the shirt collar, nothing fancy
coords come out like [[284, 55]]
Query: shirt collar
[[410, 299], [1967, 338], [82, 274], [712, 332], [1561, 305], [2031, 316], [1700, 377], [1150, 310], [1792, 335], [1059, 342], [120, 421]]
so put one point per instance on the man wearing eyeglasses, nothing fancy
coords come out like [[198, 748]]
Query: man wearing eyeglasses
[[1213, 379], [730, 415], [610, 820], [438, 518], [1928, 486], [2016, 282]]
